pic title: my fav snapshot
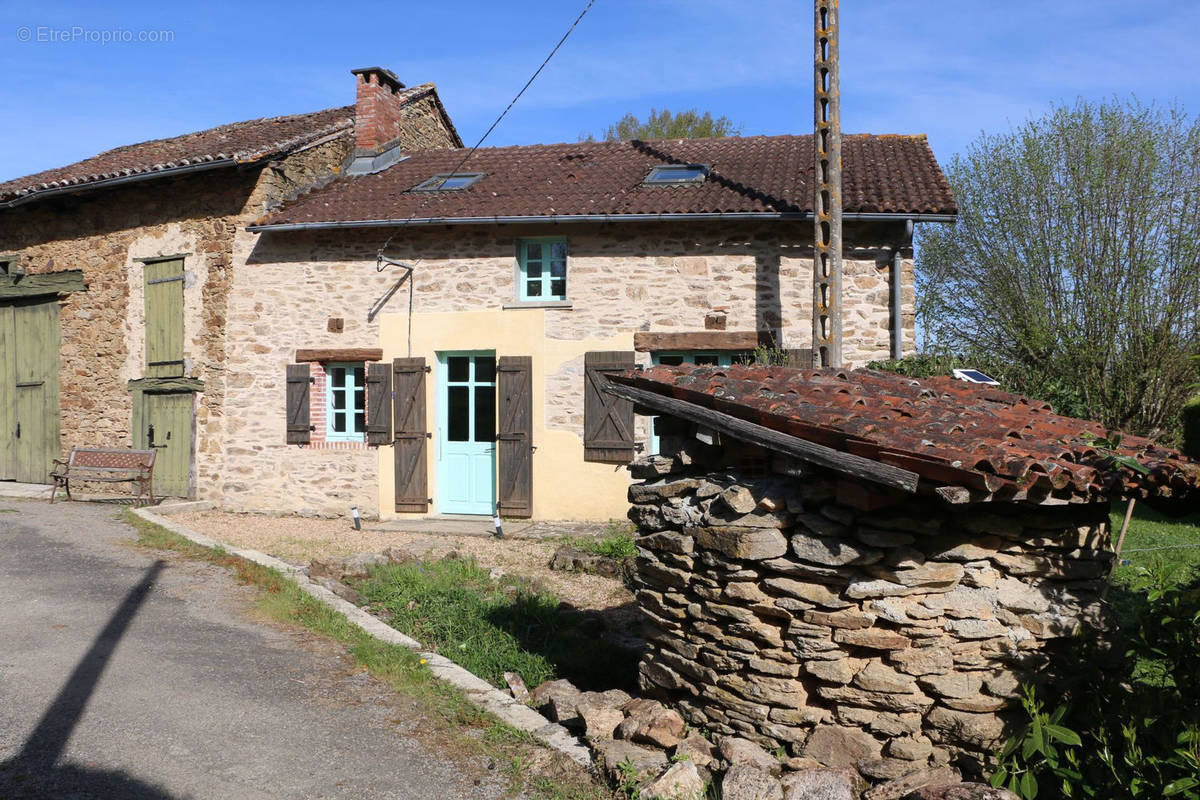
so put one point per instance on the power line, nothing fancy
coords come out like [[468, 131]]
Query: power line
[[503, 113]]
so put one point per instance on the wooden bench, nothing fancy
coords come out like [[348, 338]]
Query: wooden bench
[[106, 465]]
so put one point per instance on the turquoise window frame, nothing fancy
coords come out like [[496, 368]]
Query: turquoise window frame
[[545, 278], [355, 404]]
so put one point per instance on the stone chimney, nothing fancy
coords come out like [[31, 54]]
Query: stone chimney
[[377, 107]]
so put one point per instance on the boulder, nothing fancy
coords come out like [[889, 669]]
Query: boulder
[[599, 722], [901, 787], [736, 750], [355, 566], [748, 782], [823, 784], [655, 725], [960, 791], [837, 746], [681, 781], [697, 749], [643, 763], [553, 697]]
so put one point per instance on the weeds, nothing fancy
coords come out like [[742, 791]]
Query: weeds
[[489, 628]]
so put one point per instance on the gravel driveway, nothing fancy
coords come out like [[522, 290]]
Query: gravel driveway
[[132, 674]]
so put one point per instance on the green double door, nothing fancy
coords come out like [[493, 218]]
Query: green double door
[[29, 413]]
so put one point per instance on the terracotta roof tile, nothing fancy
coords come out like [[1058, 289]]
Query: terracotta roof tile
[[890, 174], [240, 142], [947, 431]]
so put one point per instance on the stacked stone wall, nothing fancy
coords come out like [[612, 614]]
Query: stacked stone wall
[[851, 625]]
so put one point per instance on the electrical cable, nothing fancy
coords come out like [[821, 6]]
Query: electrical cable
[[503, 114]]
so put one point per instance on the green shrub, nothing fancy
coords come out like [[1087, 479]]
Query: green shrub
[[1191, 428], [1128, 730]]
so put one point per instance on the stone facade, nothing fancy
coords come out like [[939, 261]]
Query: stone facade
[[855, 627], [622, 279], [104, 232]]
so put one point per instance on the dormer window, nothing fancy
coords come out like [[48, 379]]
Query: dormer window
[[676, 174], [448, 182]]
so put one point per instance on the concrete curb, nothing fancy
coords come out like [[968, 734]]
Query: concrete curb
[[477, 690]]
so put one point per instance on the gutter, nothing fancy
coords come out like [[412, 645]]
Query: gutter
[[570, 218], [897, 286], [119, 180]]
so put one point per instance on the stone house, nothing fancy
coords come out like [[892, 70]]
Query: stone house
[[863, 568], [431, 337], [115, 275]]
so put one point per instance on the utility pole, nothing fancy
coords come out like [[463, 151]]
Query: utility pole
[[827, 195]]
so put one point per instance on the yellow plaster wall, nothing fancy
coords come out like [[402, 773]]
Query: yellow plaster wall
[[565, 487]]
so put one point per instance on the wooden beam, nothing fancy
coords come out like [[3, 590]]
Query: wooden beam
[[340, 354], [821, 455], [13, 286], [647, 341]]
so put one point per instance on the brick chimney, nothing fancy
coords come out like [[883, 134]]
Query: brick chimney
[[376, 110]]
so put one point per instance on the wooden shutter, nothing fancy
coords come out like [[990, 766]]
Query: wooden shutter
[[379, 403], [164, 318], [514, 441], [607, 420], [411, 438], [299, 429]]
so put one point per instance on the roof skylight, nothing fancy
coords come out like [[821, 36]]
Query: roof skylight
[[672, 174], [448, 182]]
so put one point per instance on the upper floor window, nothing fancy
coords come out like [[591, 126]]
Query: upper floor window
[[448, 182], [543, 269], [346, 411], [669, 174]]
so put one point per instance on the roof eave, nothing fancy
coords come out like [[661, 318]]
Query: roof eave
[[76, 188], [867, 216]]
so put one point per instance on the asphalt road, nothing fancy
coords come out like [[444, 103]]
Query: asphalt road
[[123, 675]]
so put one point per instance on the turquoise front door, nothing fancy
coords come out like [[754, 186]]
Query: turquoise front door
[[467, 433]]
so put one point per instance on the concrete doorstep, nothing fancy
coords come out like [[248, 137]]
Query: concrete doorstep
[[477, 690]]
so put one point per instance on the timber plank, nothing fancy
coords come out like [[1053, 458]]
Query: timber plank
[[650, 341], [821, 455]]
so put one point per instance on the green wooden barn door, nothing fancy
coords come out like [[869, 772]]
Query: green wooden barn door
[[29, 339], [167, 428]]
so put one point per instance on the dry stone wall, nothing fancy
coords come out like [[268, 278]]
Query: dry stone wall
[[887, 640]]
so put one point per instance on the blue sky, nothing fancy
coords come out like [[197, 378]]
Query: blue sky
[[946, 68]]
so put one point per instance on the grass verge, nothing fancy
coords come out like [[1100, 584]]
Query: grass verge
[[490, 627], [533, 770]]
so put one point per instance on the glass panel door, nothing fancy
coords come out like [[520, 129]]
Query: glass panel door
[[467, 433]]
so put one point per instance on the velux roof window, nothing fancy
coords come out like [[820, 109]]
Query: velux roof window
[[448, 182], [675, 174]]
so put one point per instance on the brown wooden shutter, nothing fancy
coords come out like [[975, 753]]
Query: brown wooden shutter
[[299, 429], [411, 438], [607, 420], [379, 403], [514, 441]]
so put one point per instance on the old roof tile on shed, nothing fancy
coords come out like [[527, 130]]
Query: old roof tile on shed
[[947, 431]]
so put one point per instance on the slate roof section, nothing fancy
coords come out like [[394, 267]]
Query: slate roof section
[[760, 174], [951, 433], [239, 143]]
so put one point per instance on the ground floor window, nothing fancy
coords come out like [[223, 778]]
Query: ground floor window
[[703, 358], [345, 399]]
